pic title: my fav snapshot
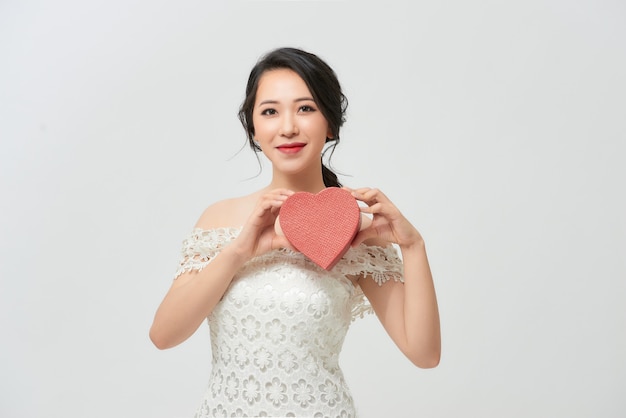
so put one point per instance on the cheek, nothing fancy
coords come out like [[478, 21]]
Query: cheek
[[317, 125], [259, 127], [324, 129], [267, 124]]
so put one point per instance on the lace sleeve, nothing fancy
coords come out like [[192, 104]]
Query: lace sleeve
[[200, 247], [381, 264]]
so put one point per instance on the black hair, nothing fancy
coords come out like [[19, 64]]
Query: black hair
[[322, 83]]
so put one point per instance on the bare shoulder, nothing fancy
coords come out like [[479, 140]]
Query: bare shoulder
[[225, 213]]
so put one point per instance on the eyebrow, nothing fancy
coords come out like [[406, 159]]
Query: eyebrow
[[300, 99]]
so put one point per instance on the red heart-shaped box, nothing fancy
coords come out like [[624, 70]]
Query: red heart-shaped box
[[321, 226]]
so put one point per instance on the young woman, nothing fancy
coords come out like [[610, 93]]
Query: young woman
[[277, 320]]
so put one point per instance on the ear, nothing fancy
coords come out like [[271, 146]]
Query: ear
[[329, 134]]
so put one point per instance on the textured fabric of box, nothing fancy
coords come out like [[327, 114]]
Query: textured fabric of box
[[322, 225]]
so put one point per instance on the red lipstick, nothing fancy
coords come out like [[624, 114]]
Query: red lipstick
[[291, 148]]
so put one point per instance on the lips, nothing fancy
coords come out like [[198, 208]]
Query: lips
[[291, 148]]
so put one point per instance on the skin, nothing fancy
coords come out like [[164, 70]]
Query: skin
[[285, 114]]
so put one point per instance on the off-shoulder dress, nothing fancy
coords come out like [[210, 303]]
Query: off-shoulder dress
[[277, 333]]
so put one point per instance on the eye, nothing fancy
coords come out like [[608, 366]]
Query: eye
[[307, 108], [268, 112]]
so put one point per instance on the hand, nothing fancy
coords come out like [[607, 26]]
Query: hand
[[388, 223], [257, 235]]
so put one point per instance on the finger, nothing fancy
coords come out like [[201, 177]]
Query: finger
[[280, 241], [375, 195], [274, 196], [366, 222], [361, 190], [373, 209], [369, 196], [363, 235], [278, 230], [268, 205], [281, 192], [273, 200], [359, 195]]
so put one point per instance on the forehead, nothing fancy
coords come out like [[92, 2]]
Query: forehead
[[281, 84]]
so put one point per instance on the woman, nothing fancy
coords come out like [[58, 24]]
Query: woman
[[277, 320]]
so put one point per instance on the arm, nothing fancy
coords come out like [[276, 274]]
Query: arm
[[408, 311], [193, 295]]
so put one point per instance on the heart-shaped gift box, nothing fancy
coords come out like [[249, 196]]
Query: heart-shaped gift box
[[321, 226]]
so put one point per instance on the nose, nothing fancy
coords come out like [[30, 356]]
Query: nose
[[288, 126]]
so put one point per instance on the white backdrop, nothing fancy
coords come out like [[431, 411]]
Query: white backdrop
[[497, 127]]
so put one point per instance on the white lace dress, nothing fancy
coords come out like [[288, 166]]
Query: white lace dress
[[277, 333]]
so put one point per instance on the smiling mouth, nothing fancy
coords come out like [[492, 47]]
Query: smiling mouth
[[291, 148]]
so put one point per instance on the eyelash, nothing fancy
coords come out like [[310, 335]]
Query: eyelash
[[305, 108]]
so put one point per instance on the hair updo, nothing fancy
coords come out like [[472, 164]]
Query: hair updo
[[321, 81]]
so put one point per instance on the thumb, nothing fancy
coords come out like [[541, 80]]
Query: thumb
[[280, 241], [363, 235]]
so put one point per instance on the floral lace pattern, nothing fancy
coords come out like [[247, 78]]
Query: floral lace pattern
[[277, 333]]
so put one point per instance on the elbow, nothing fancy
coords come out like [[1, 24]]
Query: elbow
[[427, 363], [425, 360], [159, 340]]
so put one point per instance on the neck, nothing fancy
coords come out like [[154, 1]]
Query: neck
[[312, 183]]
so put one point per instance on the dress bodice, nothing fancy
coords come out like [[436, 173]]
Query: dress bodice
[[277, 333]]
